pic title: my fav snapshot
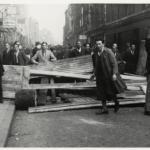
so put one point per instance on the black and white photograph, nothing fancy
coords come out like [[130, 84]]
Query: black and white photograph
[[74, 74]]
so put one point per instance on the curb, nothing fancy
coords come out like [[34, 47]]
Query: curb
[[6, 121]]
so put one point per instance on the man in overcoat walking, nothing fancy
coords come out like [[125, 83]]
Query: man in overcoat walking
[[6, 56], [106, 72], [147, 46]]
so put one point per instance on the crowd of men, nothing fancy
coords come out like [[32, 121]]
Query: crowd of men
[[126, 60], [16, 56], [108, 63]]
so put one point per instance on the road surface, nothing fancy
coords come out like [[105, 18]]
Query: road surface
[[81, 128]]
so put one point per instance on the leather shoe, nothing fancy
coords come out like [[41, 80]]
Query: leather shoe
[[147, 113]]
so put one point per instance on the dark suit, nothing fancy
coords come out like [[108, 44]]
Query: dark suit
[[147, 46], [6, 57], [22, 59], [130, 59], [147, 104], [76, 53], [1, 74]]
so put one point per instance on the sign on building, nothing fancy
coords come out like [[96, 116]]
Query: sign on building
[[9, 22], [82, 37]]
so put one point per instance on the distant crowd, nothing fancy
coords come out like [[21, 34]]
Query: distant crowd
[[41, 53], [15, 55], [127, 59]]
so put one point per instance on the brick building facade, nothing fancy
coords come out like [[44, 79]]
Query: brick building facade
[[119, 23]]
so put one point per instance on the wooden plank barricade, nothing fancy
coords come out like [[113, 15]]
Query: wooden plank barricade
[[11, 80], [17, 78]]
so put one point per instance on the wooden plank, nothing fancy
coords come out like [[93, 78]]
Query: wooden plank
[[131, 97], [25, 77], [135, 84], [9, 94], [133, 78], [78, 64], [147, 99], [53, 93], [143, 87], [82, 106], [12, 86], [133, 88], [42, 94], [12, 82], [72, 86], [56, 73], [60, 86], [79, 101]]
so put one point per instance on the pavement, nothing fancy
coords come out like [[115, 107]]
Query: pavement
[[81, 128], [7, 110]]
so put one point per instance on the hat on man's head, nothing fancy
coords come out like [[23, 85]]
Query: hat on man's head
[[37, 43], [44, 43], [16, 43]]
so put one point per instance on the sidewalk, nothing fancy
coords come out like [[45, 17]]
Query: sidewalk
[[7, 110]]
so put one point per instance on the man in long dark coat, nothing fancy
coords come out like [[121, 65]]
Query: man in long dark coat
[[6, 56], [1, 74], [106, 70], [147, 46], [129, 56]]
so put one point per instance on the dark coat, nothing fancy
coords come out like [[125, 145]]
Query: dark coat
[[130, 61], [1, 67], [22, 59], [121, 64], [105, 67], [1, 74], [76, 53], [87, 51], [34, 50], [6, 57], [147, 46]]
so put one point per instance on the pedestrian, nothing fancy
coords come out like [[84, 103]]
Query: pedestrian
[[129, 57], [78, 50], [1, 74], [36, 48], [18, 57], [147, 46], [108, 81], [27, 52], [6, 56], [87, 49], [44, 55], [121, 63]]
